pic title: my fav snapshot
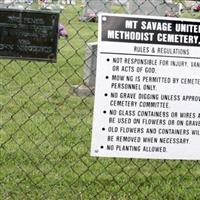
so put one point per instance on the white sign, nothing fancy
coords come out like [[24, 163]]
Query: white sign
[[147, 99]]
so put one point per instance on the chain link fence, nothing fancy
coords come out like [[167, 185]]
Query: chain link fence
[[46, 126]]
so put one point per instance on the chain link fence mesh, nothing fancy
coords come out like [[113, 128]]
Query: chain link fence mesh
[[46, 127]]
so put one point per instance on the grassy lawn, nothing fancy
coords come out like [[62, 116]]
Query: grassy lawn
[[46, 131]]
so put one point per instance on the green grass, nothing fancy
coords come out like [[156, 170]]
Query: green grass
[[46, 133]]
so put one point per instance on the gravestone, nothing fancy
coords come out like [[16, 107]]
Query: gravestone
[[90, 64], [152, 7], [8, 1], [89, 71], [91, 8], [120, 2], [14, 4], [189, 4], [72, 2]]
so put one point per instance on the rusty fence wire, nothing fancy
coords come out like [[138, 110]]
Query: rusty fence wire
[[46, 118]]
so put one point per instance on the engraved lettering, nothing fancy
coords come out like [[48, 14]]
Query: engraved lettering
[[7, 47], [34, 49], [30, 20], [14, 19]]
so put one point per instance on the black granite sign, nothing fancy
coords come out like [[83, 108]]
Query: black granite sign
[[28, 34]]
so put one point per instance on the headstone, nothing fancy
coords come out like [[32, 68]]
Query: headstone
[[189, 4], [89, 74], [20, 1], [54, 7], [90, 64], [72, 2], [168, 1], [14, 4], [120, 2], [152, 7], [93, 7], [8, 1]]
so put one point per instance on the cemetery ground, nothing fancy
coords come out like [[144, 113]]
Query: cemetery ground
[[46, 134]]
